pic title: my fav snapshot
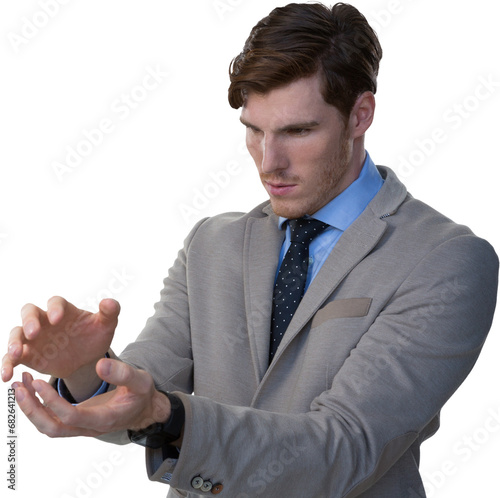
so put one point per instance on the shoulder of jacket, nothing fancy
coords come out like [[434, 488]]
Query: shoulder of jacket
[[233, 221]]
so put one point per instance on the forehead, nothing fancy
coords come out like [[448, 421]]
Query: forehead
[[299, 101]]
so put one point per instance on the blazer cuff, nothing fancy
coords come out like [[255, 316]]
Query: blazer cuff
[[160, 463]]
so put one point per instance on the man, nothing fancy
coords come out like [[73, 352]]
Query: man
[[394, 303]]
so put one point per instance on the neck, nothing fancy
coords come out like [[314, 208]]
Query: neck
[[358, 157]]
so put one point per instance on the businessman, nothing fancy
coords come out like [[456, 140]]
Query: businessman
[[303, 349]]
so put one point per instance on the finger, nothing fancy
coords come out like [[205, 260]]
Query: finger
[[14, 353], [109, 309], [118, 373], [51, 399], [28, 383], [56, 307], [45, 418], [15, 345], [7, 368], [34, 410], [32, 317], [78, 419]]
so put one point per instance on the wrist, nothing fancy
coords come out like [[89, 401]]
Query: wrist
[[84, 382]]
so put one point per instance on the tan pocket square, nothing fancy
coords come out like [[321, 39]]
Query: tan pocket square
[[343, 308]]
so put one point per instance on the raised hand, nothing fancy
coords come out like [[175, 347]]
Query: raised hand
[[62, 339]]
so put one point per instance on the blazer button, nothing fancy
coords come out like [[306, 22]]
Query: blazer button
[[206, 486], [197, 482], [217, 488]]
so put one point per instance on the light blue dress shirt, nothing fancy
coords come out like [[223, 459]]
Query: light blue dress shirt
[[339, 213]]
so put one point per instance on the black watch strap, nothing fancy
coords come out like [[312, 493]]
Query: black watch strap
[[173, 426], [157, 435]]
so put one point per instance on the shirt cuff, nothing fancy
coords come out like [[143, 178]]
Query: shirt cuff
[[65, 394]]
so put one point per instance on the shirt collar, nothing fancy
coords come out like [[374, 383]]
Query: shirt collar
[[342, 210]]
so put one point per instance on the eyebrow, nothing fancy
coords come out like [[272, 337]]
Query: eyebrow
[[292, 126]]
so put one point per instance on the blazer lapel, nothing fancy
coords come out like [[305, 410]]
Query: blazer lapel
[[262, 245]]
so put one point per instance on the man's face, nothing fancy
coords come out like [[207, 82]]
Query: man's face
[[300, 145]]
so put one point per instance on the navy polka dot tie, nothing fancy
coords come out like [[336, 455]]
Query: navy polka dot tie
[[291, 281]]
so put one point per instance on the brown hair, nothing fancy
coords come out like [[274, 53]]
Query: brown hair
[[298, 40]]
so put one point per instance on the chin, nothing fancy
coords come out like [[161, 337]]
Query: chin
[[290, 212]]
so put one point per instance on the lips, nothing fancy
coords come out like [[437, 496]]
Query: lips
[[279, 189]]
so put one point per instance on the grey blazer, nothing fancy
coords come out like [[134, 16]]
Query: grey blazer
[[387, 331]]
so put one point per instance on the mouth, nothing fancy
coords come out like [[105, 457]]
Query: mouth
[[279, 189]]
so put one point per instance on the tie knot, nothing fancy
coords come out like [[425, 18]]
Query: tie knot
[[303, 230]]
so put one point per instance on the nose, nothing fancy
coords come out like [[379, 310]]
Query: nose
[[272, 155]]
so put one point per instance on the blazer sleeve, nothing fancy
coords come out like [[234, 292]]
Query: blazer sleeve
[[412, 358], [168, 357]]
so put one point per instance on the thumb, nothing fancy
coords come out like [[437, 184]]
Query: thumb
[[109, 309], [118, 373]]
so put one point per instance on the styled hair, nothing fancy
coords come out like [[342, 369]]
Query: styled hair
[[299, 40]]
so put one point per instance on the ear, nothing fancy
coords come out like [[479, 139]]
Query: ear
[[362, 114]]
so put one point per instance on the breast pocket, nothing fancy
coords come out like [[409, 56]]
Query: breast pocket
[[355, 307]]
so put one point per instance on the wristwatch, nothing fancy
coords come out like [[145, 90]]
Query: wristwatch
[[159, 434]]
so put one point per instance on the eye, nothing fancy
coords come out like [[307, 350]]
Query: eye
[[252, 130], [298, 131]]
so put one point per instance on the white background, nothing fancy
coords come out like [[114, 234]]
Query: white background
[[126, 207]]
